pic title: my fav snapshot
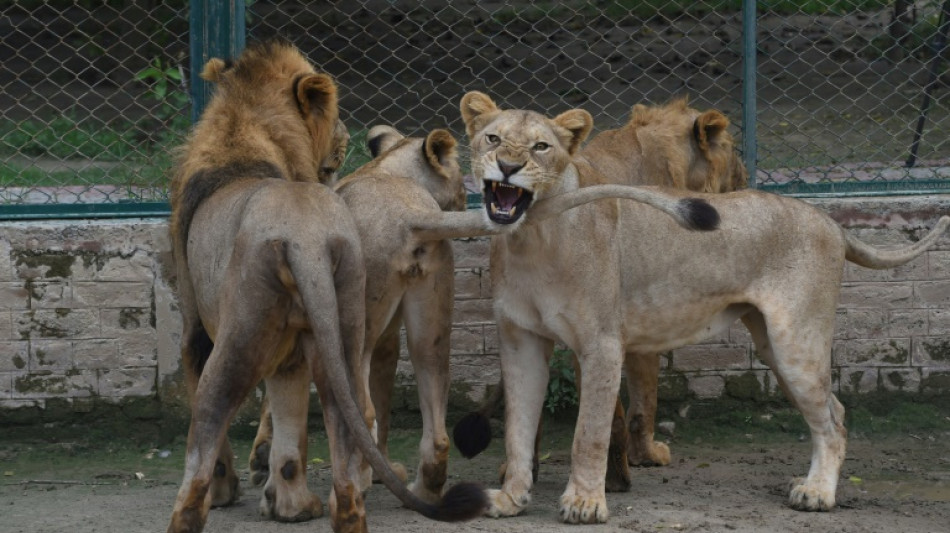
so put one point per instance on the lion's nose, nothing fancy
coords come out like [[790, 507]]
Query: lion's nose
[[507, 169]]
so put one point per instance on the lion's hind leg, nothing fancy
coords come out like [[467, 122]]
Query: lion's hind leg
[[800, 357], [347, 509], [259, 461], [643, 371], [286, 497], [382, 378], [216, 399], [428, 327]]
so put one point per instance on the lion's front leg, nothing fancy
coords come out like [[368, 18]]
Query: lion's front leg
[[524, 368], [584, 500]]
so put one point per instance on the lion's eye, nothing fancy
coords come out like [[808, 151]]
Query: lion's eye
[[493, 138], [540, 147]]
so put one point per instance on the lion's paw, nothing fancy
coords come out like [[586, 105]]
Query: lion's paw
[[298, 507], [501, 504], [655, 454], [225, 486], [805, 497], [259, 463], [418, 487], [577, 509]]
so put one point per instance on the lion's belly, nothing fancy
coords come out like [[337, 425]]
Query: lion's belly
[[667, 329]]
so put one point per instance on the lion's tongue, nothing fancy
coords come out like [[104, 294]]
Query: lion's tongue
[[506, 197]]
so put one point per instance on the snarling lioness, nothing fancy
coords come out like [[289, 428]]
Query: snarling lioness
[[671, 145], [271, 286], [615, 277]]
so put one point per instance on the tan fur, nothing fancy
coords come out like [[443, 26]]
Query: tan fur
[[409, 282], [271, 283], [672, 145], [677, 146], [405, 203], [605, 280]]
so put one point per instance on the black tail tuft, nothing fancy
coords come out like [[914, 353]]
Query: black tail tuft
[[472, 434], [464, 501], [699, 214]]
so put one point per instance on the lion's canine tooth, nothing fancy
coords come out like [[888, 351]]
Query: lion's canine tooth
[[512, 212], [494, 209]]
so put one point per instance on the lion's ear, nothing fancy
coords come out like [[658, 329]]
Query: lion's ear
[[708, 126], [381, 138], [578, 123], [440, 148], [214, 69], [476, 106], [317, 97]]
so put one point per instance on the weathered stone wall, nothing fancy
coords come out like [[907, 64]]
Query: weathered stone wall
[[88, 317], [86, 313]]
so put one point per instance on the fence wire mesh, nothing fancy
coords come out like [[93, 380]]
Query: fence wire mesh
[[94, 98]]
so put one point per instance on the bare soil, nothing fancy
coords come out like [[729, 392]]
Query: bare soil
[[734, 481]]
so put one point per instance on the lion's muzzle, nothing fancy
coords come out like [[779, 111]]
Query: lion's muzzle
[[506, 203]]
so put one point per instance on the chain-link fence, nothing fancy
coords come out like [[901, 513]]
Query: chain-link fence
[[94, 98], [91, 99]]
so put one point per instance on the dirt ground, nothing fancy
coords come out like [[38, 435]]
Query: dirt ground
[[735, 480]]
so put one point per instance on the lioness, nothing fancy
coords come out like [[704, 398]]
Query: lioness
[[673, 145], [404, 204], [271, 285], [410, 281], [605, 279]]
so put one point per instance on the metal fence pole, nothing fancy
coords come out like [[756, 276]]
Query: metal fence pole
[[749, 72], [216, 30]]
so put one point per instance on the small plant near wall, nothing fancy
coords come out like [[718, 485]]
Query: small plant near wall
[[562, 389], [167, 90]]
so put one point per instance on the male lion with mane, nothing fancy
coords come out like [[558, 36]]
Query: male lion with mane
[[613, 278], [271, 284]]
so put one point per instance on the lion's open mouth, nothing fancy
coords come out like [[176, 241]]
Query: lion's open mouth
[[506, 203]]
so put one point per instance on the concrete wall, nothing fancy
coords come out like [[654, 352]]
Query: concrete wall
[[88, 317]]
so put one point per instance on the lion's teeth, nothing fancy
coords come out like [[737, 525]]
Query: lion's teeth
[[512, 212], [494, 209]]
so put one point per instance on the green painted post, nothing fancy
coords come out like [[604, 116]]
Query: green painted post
[[216, 30], [749, 72]]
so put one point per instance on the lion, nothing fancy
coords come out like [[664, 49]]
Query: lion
[[606, 280], [271, 283], [409, 282], [672, 145], [406, 204]]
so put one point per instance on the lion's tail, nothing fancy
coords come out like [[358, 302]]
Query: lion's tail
[[691, 213], [869, 256], [472, 433], [463, 501]]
